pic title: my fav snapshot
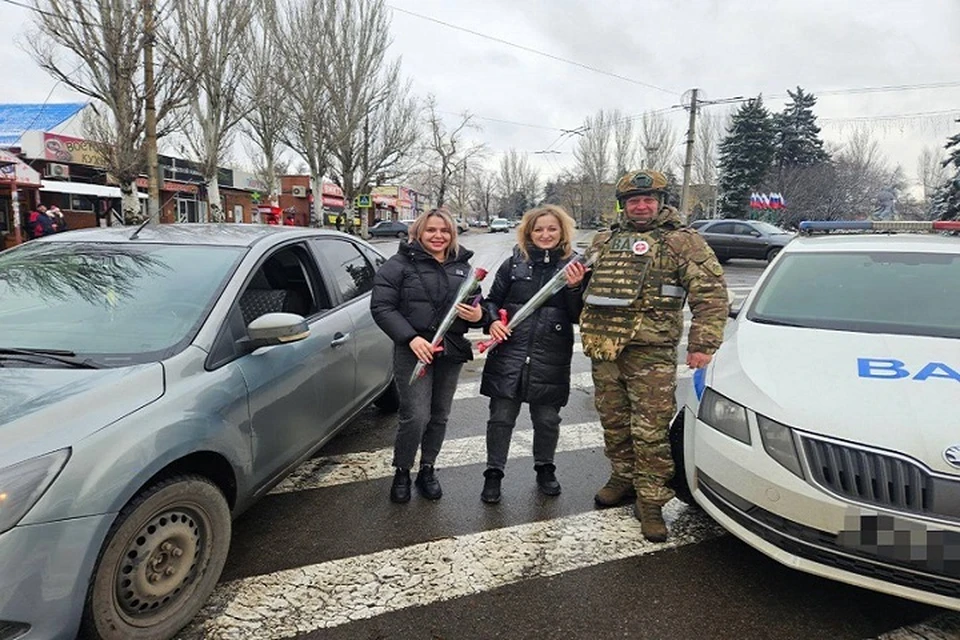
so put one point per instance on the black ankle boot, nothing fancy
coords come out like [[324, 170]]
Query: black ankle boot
[[428, 484], [400, 491], [491, 486], [546, 479]]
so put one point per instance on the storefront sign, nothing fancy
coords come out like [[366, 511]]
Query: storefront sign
[[69, 150]]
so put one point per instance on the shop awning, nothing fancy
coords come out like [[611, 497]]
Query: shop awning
[[84, 189], [13, 169]]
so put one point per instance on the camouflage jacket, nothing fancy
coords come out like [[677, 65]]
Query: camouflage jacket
[[638, 286]]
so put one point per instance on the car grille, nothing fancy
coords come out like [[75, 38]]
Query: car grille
[[870, 477], [824, 548]]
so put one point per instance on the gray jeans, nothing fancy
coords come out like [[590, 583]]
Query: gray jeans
[[503, 417], [424, 407]]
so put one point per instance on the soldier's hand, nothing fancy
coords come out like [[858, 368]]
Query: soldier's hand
[[697, 360]]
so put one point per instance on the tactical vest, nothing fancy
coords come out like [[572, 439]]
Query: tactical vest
[[632, 278]]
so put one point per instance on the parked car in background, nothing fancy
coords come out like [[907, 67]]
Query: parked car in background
[[462, 226], [744, 238], [389, 229], [823, 433], [499, 224], [153, 384]]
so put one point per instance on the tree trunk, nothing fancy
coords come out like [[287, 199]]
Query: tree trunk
[[130, 203], [317, 215], [214, 203]]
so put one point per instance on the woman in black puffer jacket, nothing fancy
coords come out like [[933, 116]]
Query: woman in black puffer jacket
[[411, 294], [532, 364]]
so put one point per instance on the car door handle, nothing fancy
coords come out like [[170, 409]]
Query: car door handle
[[339, 339]]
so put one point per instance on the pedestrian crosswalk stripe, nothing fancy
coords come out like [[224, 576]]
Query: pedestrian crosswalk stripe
[[582, 381], [337, 592], [459, 452], [945, 626]]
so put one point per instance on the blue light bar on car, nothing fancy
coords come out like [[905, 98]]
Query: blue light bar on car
[[879, 225]]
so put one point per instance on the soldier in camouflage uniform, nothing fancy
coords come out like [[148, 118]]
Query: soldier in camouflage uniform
[[632, 321]]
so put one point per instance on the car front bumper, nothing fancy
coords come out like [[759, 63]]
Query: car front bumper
[[805, 528], [44, 573]]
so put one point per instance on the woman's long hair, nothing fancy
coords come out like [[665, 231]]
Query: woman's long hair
[[418, 226], [525, 229]]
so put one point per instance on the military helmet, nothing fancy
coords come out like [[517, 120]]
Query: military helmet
[[643, 182]]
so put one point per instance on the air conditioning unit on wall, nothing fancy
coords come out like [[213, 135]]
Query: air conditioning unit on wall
[[298, 191], [54, 170]]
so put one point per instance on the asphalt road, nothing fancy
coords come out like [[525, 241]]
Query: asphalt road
[[326, 555]]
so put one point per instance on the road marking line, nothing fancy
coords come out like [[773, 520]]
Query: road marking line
[[582, 381], [945, 626], [337, 592], [458, 452]]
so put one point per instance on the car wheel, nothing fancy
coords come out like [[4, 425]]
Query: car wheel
[[401, 234], [772, 253], [389, 400], [160, 561], [679, 481]]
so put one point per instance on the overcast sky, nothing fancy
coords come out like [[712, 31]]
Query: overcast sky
[[725, 48]]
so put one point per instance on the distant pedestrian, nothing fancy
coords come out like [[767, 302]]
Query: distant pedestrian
[[41, 224], [59, 221]]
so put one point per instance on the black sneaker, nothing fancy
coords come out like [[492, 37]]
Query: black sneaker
[[400, 491], [428, 484], [491, 486], [546, 479]]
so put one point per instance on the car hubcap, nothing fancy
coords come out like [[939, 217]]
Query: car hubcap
[[159, 562]]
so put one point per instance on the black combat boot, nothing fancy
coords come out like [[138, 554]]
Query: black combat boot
[[546, 479], [491, 486], [428, 484], [400, 491]]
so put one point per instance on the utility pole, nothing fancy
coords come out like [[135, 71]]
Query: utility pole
[[688, 160], [150, 115]]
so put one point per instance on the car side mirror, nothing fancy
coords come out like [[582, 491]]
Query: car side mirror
[[275, 328], [734, 305]]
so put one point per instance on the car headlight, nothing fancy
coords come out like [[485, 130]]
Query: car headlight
[[778, 443], [22, 484], [724, 415]]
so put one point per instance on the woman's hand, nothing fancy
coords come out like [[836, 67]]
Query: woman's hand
[[499, 331], [574, 272], [469, 312], [422, 348]]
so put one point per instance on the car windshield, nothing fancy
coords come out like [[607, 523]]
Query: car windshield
[[897, 293], [115, 304], [769, 229]]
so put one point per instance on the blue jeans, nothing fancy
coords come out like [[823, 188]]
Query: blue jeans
[[503, 417], [424, 407]]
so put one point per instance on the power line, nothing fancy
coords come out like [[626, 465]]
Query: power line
[[50, 14], [893, 116], [891, 88], [518, 124], [531, 50]]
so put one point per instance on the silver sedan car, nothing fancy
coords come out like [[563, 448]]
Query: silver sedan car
[[154, 383]]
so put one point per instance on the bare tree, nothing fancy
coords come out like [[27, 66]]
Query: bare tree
[[659, 142], [303, 31], [483, 193], [214, 36], [593, 162], [709, 134], [371, 112], [447, 149], [518, 183], [267, 117], [95, 47], [624, 143], [931, 171]]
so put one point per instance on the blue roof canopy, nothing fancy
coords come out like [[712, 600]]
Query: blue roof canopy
[[17, 118]]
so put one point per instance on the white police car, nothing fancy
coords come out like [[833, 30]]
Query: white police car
[[826, 431]]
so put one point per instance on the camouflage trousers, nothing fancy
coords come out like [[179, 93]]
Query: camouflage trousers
[[636, 400]]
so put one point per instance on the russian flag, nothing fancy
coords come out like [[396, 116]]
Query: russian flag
[[764, 201], [754, 201]]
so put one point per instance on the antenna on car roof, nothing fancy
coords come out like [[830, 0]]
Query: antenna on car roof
[[136, 233]]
